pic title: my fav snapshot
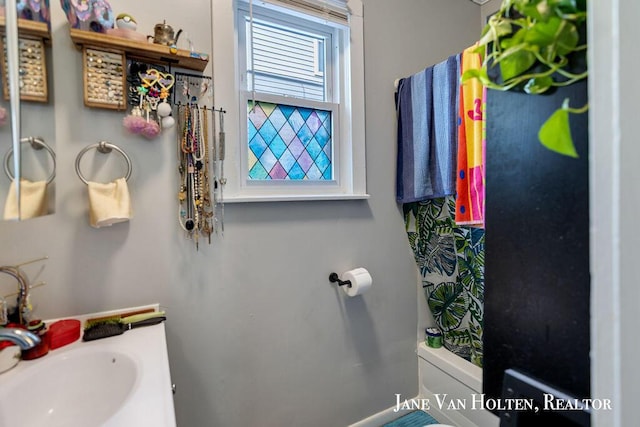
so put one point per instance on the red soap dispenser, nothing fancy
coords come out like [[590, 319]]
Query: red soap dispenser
[[39, 328]]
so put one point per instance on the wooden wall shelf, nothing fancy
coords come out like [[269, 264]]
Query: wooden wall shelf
[[154, 53], [30, 28]]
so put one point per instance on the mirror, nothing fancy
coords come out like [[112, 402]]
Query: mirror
[[37, 120], [27, 184]]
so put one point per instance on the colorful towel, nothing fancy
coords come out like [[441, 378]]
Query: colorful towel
[[471, 146], [446, 77], [426, 136]]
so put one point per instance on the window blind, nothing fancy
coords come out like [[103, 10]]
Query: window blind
[[332, 10], [284, 62]]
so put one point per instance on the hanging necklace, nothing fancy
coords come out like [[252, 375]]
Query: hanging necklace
[[186, 140], [223, 180], [195, 213], [182, 191], [207, 208], [186, 193], [198, 151]]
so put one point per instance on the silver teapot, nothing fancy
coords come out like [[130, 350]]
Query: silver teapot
[[163, 34]]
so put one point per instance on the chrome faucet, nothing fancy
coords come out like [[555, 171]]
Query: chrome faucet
[[21, 337], [24, 308], [23, 289]]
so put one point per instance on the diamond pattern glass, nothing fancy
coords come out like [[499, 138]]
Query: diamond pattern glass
[[289, 143]]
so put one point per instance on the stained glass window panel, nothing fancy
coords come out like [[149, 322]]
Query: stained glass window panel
[[289, 143]]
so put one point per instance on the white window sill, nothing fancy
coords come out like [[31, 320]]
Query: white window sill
[[294, 198]]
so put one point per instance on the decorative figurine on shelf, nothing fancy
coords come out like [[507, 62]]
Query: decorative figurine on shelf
[[33, 10], [126, 28], [89, 15], [102, 16], [69, 13], [125, 21]]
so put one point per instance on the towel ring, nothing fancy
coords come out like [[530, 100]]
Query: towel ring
[[103, 147], [37, 143]]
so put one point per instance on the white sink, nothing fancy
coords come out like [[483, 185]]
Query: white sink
[[84, 387], [118, 381]]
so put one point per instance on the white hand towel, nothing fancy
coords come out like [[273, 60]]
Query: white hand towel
[[109, 203], [33, 200]]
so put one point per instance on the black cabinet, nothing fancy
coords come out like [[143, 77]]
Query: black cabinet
[[537, 245]]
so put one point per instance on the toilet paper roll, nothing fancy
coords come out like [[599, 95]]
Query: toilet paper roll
[[360, 281]]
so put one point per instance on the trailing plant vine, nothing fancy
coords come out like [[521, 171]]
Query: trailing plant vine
[[529, 45]]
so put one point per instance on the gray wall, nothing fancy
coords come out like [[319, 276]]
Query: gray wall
[[614, 201], [489, 8], [257, 336]]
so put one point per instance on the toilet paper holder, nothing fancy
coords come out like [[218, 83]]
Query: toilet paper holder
[[334, 278]]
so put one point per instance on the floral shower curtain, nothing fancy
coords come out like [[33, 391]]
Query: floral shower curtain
[[451, 263]]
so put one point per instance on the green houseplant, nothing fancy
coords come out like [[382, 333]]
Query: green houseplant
[[532, 46]]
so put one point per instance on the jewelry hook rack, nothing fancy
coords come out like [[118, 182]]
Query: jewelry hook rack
[[192, 89], [201, 207], [134, 67]]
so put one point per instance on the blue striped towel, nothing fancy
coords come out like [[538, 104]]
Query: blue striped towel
[[427, 109]]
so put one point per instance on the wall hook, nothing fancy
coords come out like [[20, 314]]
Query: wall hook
[[333, 278]]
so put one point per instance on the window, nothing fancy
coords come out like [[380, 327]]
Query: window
[[299, 73], [284, 58], [289, 142]]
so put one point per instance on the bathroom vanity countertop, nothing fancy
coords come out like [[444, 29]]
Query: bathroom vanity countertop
[[149, 402]]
